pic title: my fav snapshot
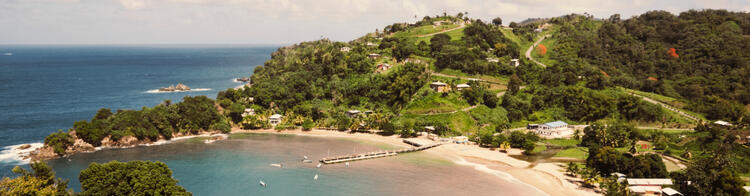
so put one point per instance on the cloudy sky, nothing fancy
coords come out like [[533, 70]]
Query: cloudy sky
[[276, 21]]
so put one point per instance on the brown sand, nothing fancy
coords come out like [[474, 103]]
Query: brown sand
[[547, 177]]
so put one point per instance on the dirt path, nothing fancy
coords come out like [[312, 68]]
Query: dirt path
[[443, 31], [664, 105], [528, 52]]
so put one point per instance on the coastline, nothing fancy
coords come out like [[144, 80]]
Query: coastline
[[548, 178]]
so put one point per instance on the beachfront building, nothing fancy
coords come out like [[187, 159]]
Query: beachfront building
[[514, 62], [352, 113], [461, 140], [648, 186], [345, 49], [439, 86], [248, 112], [462, 87], [556, 129], [275, 119]]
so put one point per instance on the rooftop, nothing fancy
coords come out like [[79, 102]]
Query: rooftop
[[649, 181], [556, 124], [721, 122], [276, 116], [643, 189], [462, 86], [438, 83], [670, 191]]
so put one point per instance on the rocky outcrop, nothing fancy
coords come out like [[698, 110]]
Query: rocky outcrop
[[179, 87], [24, 147], [43, 153]]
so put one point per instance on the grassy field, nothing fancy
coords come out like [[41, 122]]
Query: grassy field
[[577, 152], [458, 122], [423, 30], [562, 142], [549, 43], [455, 35], [435, 103]]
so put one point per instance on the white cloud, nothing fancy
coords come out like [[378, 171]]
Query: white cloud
[[133, 4]]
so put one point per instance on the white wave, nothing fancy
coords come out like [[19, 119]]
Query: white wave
[[11, 154], [191, 90], [501, 175]]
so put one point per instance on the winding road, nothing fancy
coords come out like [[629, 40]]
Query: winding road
[[528, 52]]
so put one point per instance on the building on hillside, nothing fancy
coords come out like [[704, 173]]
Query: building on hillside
[[493, 60], [373, 55], [248, 112], [557, 129], [670, 192], [371, 44], [384, 66], [462, 87], [439, 86], [411, 60], [648, 186], [514, 62], [275, 119], [352, 113], [722, 123], [747, 189], [345, 49]]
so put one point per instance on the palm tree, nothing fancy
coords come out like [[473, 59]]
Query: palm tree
[[572, 169]]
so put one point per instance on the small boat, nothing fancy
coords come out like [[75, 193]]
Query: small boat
[[305, 156], [276, 165], [8, 54], [316, 177], [208, 141], [263, 184], [347, 164], [307, 161], [319, 164]]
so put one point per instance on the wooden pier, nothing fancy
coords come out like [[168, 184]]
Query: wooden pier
[[372, 155]]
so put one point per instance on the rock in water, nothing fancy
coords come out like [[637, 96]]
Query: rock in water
[[24, 147], [182, 87]]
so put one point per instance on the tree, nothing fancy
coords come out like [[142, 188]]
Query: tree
[[134, 177], [572, 169], [497, 21], [514, 84], [39, 181], [59, 141], [103, 114], [308, 124], [438, 41], [235, 112], [612, 187]]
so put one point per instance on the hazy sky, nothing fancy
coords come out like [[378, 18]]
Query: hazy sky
[[275, 22]]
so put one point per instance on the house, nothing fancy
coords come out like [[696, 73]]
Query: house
[[747, 189], [345, 49], [461, 140], [352, 113], [384, 66], [537, 30], [722, 123], [373, 55], [371, 44], [248, 112], [670, 192], [275, 119], [648, 186], [493, 60], [462, 86], [411, 60], [514, 62], [439, 86], [553, 125], [430, 128]]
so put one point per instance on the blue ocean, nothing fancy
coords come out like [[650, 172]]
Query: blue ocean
[[47, 88]]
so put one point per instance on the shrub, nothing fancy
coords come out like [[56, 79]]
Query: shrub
[[59, 141]]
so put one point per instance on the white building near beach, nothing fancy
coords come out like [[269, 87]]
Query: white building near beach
[[275, 119]]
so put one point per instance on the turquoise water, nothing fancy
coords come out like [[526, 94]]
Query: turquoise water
[[235, 167]]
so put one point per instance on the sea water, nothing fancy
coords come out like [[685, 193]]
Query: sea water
[[47, 88]]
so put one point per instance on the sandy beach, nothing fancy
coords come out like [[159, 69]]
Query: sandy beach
[[546, 177]]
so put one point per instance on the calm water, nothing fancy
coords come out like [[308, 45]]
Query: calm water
[[46, 88], [235, 167]]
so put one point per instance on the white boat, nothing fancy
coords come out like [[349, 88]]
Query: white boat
[[305, 157], [276, 165], [208, 141], [8, 54], [263, 184], [316, 177], [307, 161], [319, 164], [347, 164]]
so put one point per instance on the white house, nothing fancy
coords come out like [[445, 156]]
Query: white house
[[352, 113], [722, 123], [462, 86], [275, 119], [439, 86], [493, 60], [384, 66], [248, 112], [648, 186], [371, 44], [373, 55], [514, 62], [345, 49]]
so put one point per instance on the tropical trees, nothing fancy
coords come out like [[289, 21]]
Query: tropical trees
[[134, 177], [39, 181]]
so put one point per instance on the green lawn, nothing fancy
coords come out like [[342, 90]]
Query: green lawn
[[423, 30], [577, 152], [459, 122], [549, 43], [562, 142], [435, 103], [455, 35]]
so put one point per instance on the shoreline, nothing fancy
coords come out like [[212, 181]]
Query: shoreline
[[548, 178]]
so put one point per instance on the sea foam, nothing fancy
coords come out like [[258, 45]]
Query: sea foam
[[191, 90], [11, 154]]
